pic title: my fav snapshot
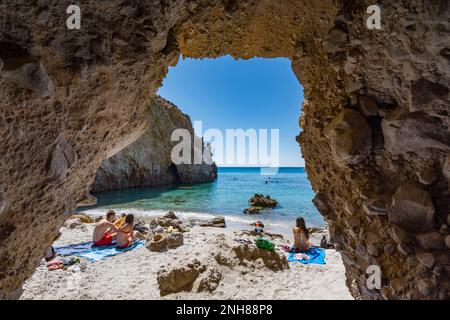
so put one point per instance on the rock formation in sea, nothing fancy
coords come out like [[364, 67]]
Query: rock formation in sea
[[147, 161], [375, 118]]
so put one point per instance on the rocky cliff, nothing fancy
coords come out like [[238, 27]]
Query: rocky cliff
[[147, 161]]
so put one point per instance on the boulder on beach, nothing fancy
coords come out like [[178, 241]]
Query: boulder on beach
[[218, 222], [168, 220], [272, 259], [161, 242], [177, 278], [84, 218]]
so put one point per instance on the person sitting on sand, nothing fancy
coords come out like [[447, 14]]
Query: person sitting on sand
[[126, 235], [301, 236], [120, 221], [105, 230]]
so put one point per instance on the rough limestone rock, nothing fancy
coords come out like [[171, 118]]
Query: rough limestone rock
[[32, 76], [412, 208], [168, 220], [174, 240], [147, 161], [210, 280], [106, 74], [218, 222], [416, 131], [173, 279], [273, 260], [260, 201], [350, 137]]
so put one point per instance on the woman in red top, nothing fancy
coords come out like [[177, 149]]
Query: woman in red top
[[126, 235]]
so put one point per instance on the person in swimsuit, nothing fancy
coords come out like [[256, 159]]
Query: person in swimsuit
[[126, 235], [301, 236], [105, 230]]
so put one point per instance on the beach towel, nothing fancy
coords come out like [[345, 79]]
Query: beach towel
[[316, 256], [93, 254]]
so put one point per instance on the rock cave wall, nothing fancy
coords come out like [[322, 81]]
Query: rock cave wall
[[147, 161], [375, 117]]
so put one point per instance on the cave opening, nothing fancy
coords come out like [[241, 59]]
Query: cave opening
[[383, 199]]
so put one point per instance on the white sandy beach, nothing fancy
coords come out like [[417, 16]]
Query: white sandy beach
[[133, 274]]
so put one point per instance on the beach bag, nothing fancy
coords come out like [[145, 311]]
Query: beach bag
[[264, 244]]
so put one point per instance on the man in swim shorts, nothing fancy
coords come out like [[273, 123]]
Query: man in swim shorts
[[105, 230]]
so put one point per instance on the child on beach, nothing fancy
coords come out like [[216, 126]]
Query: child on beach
[[301, 236]]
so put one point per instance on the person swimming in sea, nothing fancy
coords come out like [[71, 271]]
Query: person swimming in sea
[[301, 236]]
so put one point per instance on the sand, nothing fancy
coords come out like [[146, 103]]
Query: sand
[[133, 275]]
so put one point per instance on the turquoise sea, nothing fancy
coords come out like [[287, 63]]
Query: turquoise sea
[[227, 196]]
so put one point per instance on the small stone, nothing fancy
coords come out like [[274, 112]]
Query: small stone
[[412, 208], [447, 242], [426, 259]]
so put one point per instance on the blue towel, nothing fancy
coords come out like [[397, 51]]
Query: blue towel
[[93, 254], [316, 256]]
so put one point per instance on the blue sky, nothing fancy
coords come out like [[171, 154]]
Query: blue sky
[[225, 93]]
